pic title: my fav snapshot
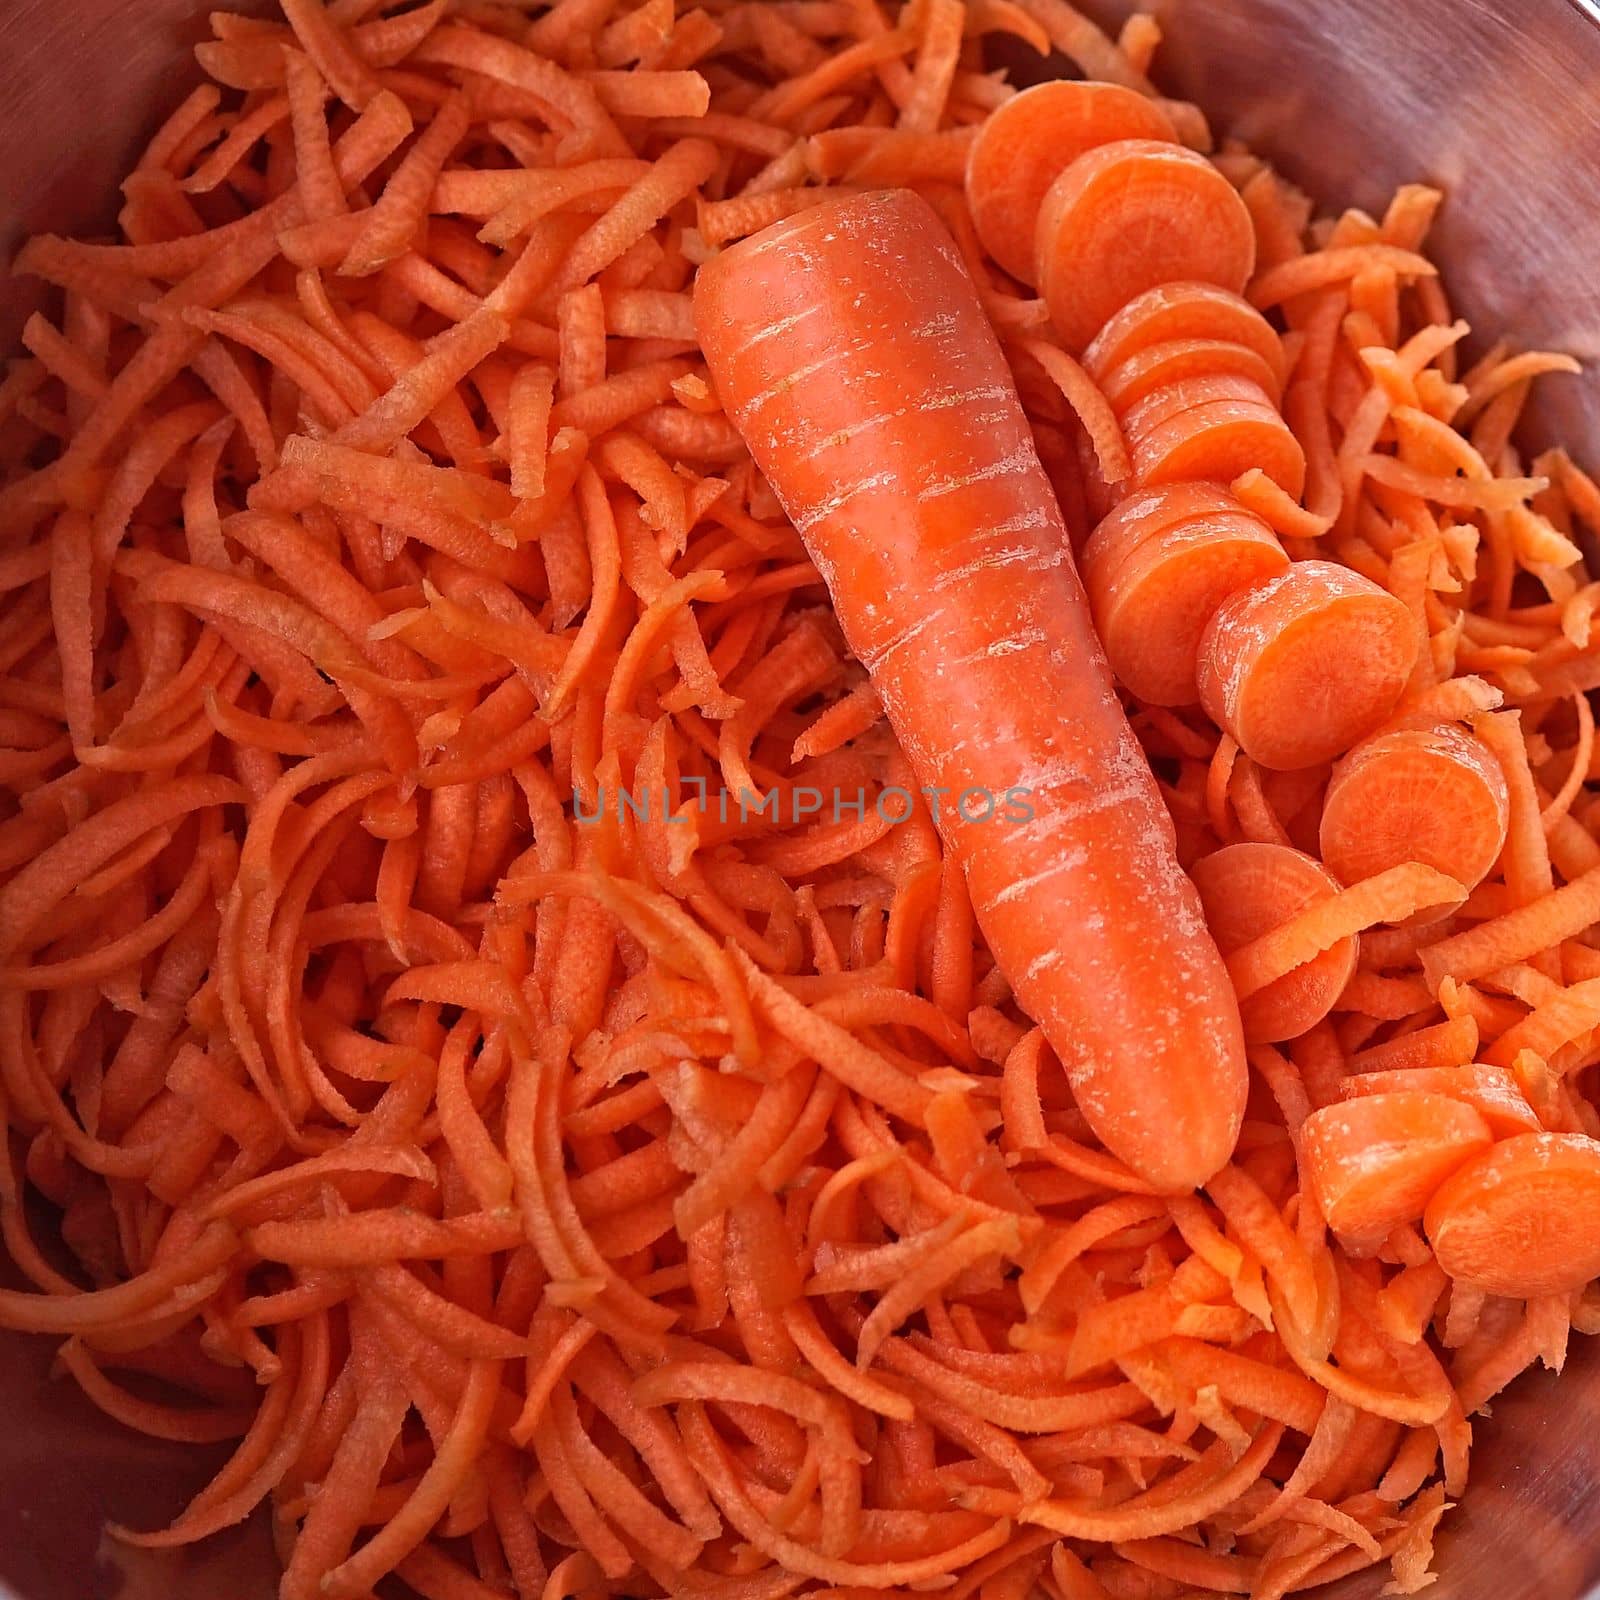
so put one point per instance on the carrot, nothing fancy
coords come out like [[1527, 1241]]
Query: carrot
[[1374, 1162], [1491, 1091], [1220, 440], [1524, 931], [1126, 217], [1166, 401], [1176, 313], [347, 75], [1431, 795], [1302, 667], [398, 211], [761, 314], [1091, 408], [1151, 606], [322, 194], [1248, 890], [1143, 512], [1158, 1512], [1391, 896], [1514, 1221], [1029, 141], [1176, 361]]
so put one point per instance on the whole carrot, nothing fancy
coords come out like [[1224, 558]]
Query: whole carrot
[[852, 352]]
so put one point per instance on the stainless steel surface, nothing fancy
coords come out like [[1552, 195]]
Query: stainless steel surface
[[1496, 99], [65, 1470], [88, 79]]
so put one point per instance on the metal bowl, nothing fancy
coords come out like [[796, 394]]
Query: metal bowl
[[1495, 99]]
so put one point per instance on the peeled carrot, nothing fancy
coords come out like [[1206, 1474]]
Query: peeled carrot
[[1432, 795], [1029, 141], [1182, 312], [1375, 1161], [1302, 667], [1128, 216], [1248, 890], [1518, 1221], [1152, 605], [1085, 906]]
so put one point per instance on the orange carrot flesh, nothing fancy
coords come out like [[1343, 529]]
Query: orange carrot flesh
[[1300, 668], [1491, 1091], [1248, 890], [1168, 400], [1431, 795], [1143, 512], [1029, 141], [788, 302], [1180, 312], [1376, 1161], [1177, 360], [1516, 1220], [1130, 216], [1220, 440], [1151, 607]]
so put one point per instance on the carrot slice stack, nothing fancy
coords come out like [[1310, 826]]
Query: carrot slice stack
[[1153, 592], [1029, 141], [1155, 367], [1182, 312], [1127, 217]]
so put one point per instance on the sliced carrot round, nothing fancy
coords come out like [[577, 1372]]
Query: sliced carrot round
[[1173, 312], [1025, 145], [1375, 1162], [1127, 216], [1151, 606], [1491, 1091], [1142, 418], [1120, 537], [1250, 889], [1143, 512], [1520, 1220], [1220, 440], [1434, 795], [1305, 665], [1177, 360]]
